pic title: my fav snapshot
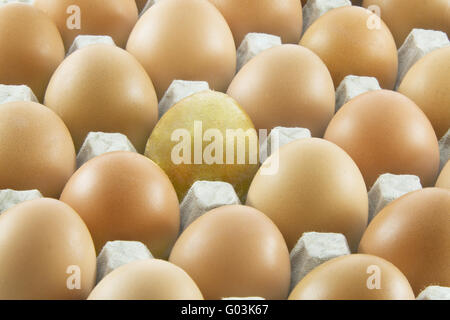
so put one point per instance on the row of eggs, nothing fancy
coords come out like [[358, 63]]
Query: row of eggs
[[125, 196]]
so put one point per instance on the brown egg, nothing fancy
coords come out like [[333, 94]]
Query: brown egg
[[234, 251], [103, 88], [312, 185], [125, 196], [286, 86], [46, 252], [354, 277], [31, 47], [91, 17], [36, 151], [413, 232], [444, 177], [385, 132], [402, 16], [282, 18], [343, 40], [427, 83], [187, 40], [151, 279]]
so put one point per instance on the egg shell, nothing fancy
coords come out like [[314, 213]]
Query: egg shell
[[199, 46], [401, 16], [42, 242], [103, 88], [427, 83], [210, 111], [124, 196], [343, 40], [31, 47], [385, 132], [282, 18], [150, 279], [443, 180], [413, 232], [353, 277], [234, 251], [91, 17], [36, 151], [286, 86], [316, 187]]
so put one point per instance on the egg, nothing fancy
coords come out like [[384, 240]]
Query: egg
[[282, 18], [91, 17], [31, 47], [234, 251], [206, 136], [313, 185], [150, 279], [427, 83], [103, 88], [354, 277], [413, 232], [402, 16], [184, 40], [354, 2], [348, 45], [443, 180], [36, 151], [125, 196], [46, 252], [286, 86], [385, 132]]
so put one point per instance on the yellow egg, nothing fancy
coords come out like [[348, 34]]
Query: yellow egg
[[206, 136]]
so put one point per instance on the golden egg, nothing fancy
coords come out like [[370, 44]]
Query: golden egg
[[401, 16], [413, 232], [354, 277], [91, 17], [311, 185], [151, 279], [206, 136], [184, 40], [36, 151], [286, 86], [234, 251], [103, 88], [385, 132], [282, 18], [349, 45], [427, 83], [46, 252], [31, 47], [125, 196]]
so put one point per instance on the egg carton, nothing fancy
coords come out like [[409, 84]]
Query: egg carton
[[82, 41], [353, 86], [118, 253], [178, 90], [444, 150], [313, 249], [418, 44], [388, 188], [278, 137], [253, 44], [98, 143], [10, 198], [204, 196], [13, 93], [314, 9]]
